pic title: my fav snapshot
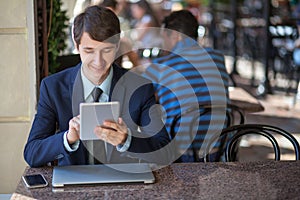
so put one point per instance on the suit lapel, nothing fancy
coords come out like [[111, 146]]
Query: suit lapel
[[77, 94], [117, 93]]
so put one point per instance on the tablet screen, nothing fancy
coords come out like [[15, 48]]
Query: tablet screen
[[94, 114]]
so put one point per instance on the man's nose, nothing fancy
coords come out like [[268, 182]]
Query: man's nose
[[98, 58]]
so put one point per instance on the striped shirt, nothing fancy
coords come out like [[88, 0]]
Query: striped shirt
[[190, 76]]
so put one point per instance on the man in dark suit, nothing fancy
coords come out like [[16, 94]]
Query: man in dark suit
[[138, 135]]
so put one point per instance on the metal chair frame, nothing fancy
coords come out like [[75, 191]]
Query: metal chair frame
[[245, 129], [230, 115]]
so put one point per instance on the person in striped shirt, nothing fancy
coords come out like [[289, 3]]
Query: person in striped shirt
[[188, 76]]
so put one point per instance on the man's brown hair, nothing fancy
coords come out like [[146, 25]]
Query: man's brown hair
[[100, 23]]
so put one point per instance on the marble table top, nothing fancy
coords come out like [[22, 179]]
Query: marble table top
[[232, 180]]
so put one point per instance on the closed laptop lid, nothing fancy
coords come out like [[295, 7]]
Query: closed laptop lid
[[96, 174]]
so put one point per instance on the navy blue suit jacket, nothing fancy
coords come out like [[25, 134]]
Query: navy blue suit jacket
[[57, 96]]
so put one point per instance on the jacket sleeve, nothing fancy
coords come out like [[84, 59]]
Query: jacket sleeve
[[44, 145]]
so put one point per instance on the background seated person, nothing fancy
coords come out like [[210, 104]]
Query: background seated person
[[188, 76]]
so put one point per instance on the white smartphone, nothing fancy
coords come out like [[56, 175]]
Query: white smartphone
[[35, 181]]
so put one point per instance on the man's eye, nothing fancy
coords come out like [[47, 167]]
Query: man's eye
[[89, 51], [108, 50]]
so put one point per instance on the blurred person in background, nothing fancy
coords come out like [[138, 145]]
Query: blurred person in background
[[146, 26], [188, 76], [296, 53]]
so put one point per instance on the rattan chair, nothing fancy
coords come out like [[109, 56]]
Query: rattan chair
[[238, 131]]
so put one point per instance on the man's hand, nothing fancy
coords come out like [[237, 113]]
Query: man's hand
[[114, 133], [74, 128]]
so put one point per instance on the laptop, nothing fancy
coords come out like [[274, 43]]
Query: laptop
[[100, 174]]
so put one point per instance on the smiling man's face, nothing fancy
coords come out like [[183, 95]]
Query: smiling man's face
[[96, 58]]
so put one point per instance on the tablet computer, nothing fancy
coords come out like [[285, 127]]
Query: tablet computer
[[94, 114]]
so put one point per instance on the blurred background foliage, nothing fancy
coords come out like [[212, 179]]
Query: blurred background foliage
[[57, 35]]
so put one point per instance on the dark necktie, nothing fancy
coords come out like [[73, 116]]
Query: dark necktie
[[96, 93], [99, 152]]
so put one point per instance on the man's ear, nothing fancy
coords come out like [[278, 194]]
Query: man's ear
[[175, 37], [75, 43], [76, 46], [118, 45]]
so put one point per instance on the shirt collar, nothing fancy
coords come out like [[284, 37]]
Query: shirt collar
[[88, 86], [183, 44]]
